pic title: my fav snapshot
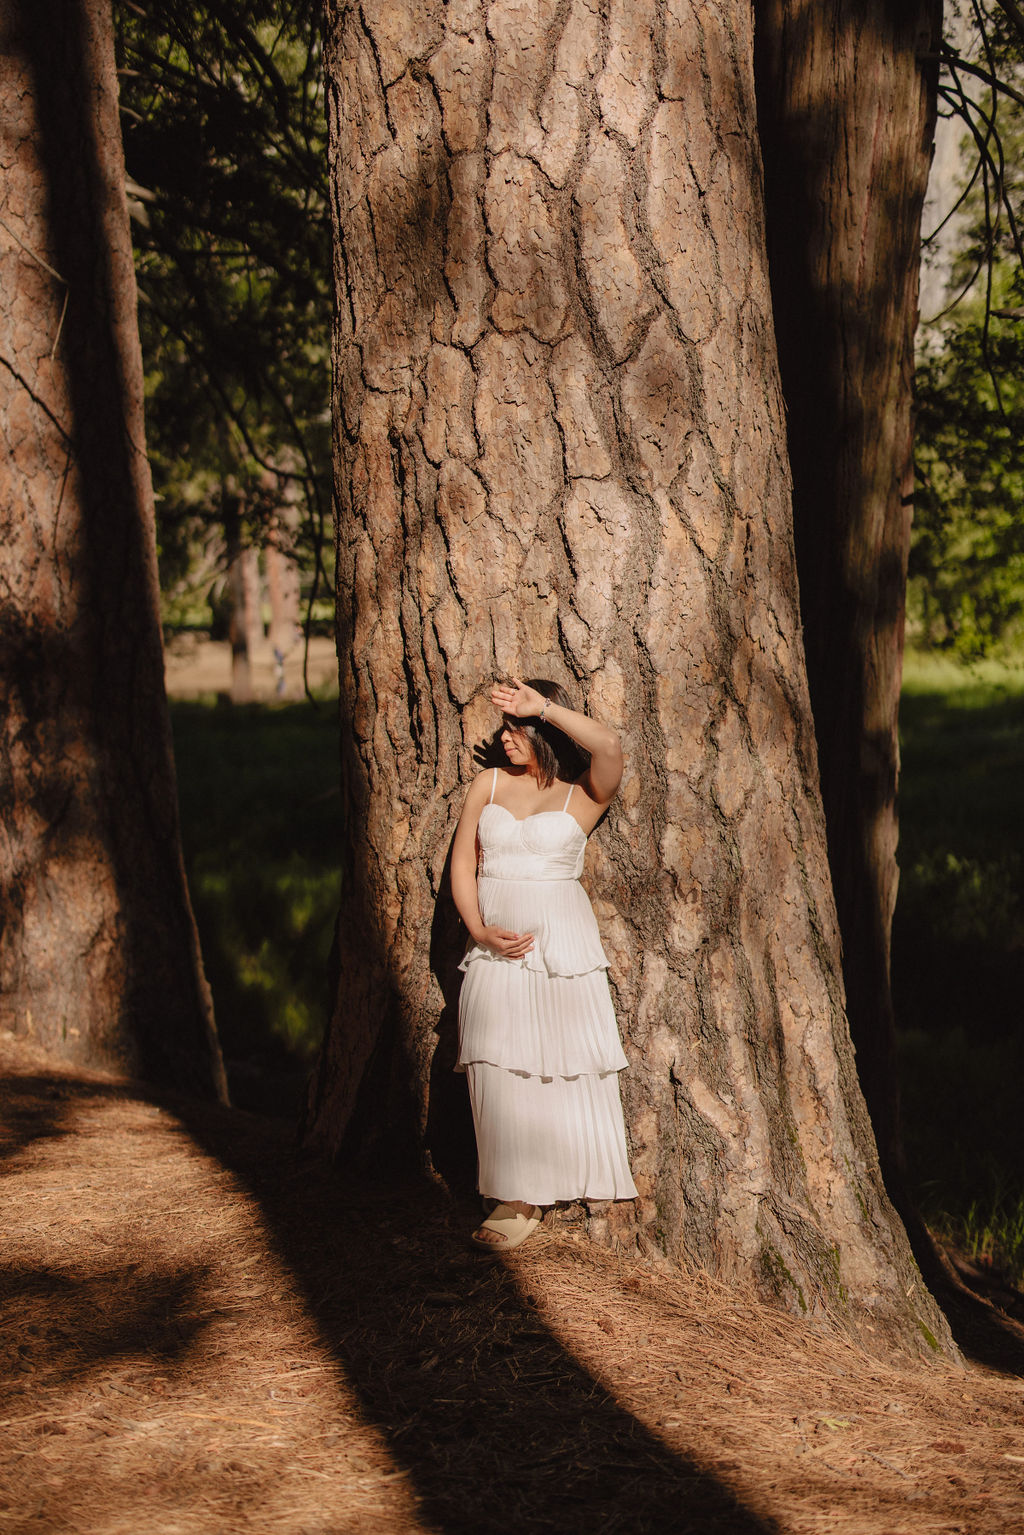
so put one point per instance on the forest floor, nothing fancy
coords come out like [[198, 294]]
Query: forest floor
[[203, 1330], [195, 665]]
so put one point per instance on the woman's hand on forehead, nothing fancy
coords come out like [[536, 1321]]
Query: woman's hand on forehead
[[516, 701]]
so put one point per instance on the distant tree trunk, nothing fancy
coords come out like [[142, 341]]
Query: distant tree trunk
[[282, 591], [846, 100], [245, 627], [560, 451], [99, 958], [241, 597], [283, 588]]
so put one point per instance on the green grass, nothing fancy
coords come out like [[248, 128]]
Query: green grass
[[958, 942], [962, 740], [260, 810], [958, 950], [993, 1234]]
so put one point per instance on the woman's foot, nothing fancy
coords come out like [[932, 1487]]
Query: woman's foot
[[507, 1226]]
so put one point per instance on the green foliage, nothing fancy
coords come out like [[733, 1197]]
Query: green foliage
[[966, 589], [970, 900], [261, 815], [961, 742], [225, 146]]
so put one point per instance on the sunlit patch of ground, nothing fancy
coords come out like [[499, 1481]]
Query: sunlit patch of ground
[[204, 1331], [195, 665], [815, 1433]]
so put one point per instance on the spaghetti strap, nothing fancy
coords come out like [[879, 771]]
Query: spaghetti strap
[[494, 785], [568, 797]]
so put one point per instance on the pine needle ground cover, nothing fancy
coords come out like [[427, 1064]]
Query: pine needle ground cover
[[204, 1332]]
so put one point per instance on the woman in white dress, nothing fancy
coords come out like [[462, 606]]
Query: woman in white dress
[[538, 1038]]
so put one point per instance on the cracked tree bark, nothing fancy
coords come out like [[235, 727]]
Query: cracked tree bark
[[99, 958], [560, 451]]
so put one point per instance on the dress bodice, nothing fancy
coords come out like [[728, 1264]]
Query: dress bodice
[[528, 882], [549, 845]]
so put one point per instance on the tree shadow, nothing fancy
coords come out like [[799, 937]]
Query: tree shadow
[[496, 1424], [450, 1138], [447, 1351], [64, 1327], [41, 1107], [988, 1331], [91, 1321]]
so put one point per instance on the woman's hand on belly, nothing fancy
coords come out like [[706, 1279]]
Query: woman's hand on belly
[[508, 945]]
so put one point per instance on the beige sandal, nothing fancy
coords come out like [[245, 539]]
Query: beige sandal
[[508, 1224]]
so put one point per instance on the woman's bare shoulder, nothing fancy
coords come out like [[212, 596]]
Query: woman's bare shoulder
[[480, 786]]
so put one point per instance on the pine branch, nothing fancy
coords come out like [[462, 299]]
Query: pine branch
[[949, 56]]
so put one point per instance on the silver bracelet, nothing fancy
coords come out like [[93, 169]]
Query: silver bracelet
[[540, 717]]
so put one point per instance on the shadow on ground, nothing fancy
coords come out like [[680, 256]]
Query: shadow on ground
[[498, 1426]]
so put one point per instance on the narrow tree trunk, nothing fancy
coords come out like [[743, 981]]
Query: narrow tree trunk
[[847, 113], [560, 451], [245, 628], [282, 591], [98, 956], [241, 594]]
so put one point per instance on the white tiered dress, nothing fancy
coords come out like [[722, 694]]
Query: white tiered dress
[[538, 1038]]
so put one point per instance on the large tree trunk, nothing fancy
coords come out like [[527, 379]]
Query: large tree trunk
[[847, 114], [99, 956], [560, 451]]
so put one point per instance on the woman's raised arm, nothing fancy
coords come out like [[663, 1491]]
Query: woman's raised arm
[[605, 774]]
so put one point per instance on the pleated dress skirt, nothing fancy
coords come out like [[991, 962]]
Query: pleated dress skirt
[[538, 1038]]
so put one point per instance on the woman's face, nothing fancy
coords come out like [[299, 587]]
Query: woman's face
[[516, 745]]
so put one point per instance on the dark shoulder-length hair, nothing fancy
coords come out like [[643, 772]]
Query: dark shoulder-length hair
[[557, 754]]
